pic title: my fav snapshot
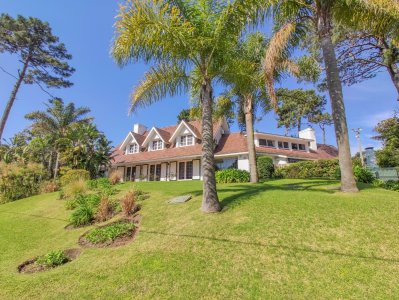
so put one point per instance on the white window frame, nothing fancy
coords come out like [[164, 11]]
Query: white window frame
[[156, 145], [186, 140], [133, 148]]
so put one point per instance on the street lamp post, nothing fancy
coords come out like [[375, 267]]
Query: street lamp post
[[357, 135]]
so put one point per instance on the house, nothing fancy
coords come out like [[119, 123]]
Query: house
[[174, 152]]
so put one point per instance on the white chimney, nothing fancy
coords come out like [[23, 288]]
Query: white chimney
[[309, 134], [139, 128]]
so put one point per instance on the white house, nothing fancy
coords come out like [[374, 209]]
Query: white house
[[174, 152]]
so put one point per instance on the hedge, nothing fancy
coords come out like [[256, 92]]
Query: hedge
[[19, 181], [232, 176], [265, 167], [326, 168]]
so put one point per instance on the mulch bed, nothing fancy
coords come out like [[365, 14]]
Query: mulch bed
[[120, 241], [30, 267]]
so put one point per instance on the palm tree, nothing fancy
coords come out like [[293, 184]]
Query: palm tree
[[55, 122], [189, 42], [246, 88], [297, 18]]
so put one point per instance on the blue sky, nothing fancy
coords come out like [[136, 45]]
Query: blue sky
[[86, 27]]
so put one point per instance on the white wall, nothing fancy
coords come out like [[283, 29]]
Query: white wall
[[243, 162], [163, 172], [173, 171], [309, 133]]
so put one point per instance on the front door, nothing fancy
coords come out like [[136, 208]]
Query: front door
[[186, 170], [152, 172]]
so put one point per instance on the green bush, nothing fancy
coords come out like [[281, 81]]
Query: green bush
[[392, 185], [232, 176], [19, 181], [265, 167], [82, 215], [363, 174], [74, 175], [109, 233], [52, 259], [103, 186], [326, 168], [73, 189]]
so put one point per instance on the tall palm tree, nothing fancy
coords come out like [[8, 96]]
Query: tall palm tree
[[296, 18], [244, 77], [189, 42], [55, 122]]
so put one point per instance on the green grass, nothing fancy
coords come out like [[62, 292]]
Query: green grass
[[283, 239]]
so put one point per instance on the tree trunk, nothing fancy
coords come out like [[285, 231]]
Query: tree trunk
[[249, 124], [210, 201], [323, 130], [299, 126], [348, 183], [11, 100], [57, 162], [394, 73]]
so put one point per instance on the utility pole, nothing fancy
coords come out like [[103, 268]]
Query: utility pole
[[357, 135]]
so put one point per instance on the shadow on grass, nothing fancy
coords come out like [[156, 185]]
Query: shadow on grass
[[296, 249]]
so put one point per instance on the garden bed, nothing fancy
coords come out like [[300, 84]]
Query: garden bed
[[32, 265], [114, 234]]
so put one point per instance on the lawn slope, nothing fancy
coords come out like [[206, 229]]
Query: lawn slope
[[283, 239]]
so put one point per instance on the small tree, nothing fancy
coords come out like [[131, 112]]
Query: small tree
[[388, 133], [43, 58], [323, 120]]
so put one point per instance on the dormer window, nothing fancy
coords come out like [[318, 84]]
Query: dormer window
[[133, 148], [186, 140], [157, 145]]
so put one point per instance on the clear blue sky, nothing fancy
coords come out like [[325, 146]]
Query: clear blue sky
[[86, 27]]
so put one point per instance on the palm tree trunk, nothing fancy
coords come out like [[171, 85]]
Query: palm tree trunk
[[11, 100], [57, 162], [249, 124], [348, 183], [394, 73], [210, 201]]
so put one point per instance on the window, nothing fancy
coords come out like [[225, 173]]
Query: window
[[302, 147], [186, 170], [157, 145], [189, 170], [229, 163], [186, 140], [283, 145], [294, 146], [133, 148], [266, 143]]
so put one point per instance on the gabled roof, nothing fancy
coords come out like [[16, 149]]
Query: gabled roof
[[161, 133], [135, 136], [182, 124]]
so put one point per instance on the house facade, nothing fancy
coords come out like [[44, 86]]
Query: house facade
[[174, 152]]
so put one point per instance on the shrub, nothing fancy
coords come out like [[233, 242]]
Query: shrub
[[73, 189], [110, 232], [19, 181], [232, 176], [127, 203], [99, 183], [52, 259], [104, 210], [140, 195], [363, 174], [114, 178], [83, 215], [265, 167], [392, 185], [49, 186], [326, 168], [74, 175]]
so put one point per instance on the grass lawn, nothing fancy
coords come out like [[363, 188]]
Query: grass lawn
[[282, 239]]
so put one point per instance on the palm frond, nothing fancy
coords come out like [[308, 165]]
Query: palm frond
[[151, 30], [273, 55], [163, 79]]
